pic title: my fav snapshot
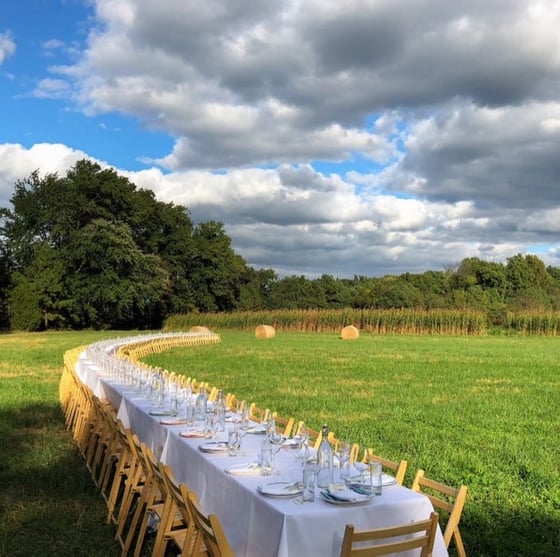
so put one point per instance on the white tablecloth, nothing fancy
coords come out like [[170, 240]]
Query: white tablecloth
[[256, 526]]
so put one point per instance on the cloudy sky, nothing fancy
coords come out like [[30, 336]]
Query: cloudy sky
[[364, 137]]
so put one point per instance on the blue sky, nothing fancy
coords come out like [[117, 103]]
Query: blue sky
[[362, 138]]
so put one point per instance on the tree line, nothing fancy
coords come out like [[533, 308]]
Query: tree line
[[91, 250]]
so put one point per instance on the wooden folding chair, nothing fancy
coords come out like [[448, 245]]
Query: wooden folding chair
[[150, 504], [335, 444], [233, 404], [184, 535], [106, 437], [315, 436], [448, 499], [395, 539], [133, 489], [284, 426], [259, 415], [119, 472], [210, 530], [398, 469]]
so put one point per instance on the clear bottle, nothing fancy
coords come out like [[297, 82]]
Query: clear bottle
[[200, 407], [220, 412], [325, 460]]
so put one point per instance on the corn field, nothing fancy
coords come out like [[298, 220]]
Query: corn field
[[393, 321], [533, 323]]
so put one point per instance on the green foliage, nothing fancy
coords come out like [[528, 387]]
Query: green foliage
[[114, 281], [475, 410], [26, 305], [60, 267], [91, 250]]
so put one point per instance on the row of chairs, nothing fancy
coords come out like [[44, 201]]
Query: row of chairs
[[140, 491], [449, 501], [137, 487]]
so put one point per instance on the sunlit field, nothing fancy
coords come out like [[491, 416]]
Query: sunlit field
[[483, 411]]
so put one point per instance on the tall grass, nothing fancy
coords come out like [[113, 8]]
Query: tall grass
[[379, 321], [482, 411]]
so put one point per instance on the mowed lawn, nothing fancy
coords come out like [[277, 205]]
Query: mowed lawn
[[480, 411], [483, 411]]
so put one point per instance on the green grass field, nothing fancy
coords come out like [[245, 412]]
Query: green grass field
[[483, 411], [48, 503]]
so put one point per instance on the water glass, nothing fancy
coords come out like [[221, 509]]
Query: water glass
[[233, 441], [245, 418], [308, 483], [189, 412], [267, 460], [376, 475], [208, 429]]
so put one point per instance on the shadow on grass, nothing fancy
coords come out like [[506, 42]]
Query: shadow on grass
[[523, 532], [49, 504]]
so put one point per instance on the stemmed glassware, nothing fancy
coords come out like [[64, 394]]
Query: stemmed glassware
[[301, 453], [343, 455]]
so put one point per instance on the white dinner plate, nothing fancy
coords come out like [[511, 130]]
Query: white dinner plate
[[213, 447], [162, 413], [247, 469], [386, 481], [258, 430], [280, 490], [346, 497]]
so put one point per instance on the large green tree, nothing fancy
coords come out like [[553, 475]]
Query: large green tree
[[89, 249]]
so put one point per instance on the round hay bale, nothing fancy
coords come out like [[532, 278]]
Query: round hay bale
[[265, 331], [349, 332], [199, 329]]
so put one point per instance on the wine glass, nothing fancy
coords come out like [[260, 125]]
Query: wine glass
[[301, 453], [241, 434], [343, 455]]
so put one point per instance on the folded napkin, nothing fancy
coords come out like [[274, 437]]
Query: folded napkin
[[173, 422], [247, 469], [345, 495], [192, 434]]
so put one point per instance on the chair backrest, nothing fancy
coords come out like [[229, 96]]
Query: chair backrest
[[315, 436], [211, 530], [233, 404], [213, 394], [396, 468], [177, 502], [284, 426], [394, 539], [448, 499], [179, 497], [259, 415]]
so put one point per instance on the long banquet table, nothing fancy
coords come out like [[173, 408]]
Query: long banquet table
[[256, 526]]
